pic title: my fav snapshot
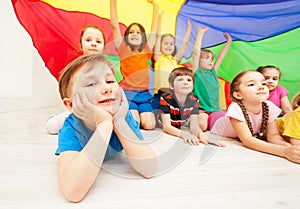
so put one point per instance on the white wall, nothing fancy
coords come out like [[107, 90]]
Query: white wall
[[25, 82]]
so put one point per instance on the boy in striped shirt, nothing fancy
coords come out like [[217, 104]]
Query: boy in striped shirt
[[180, 107]]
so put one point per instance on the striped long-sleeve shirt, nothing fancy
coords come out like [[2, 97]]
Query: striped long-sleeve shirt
[[179, 115]]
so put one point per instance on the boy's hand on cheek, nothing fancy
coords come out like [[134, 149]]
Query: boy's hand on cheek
[[123, 108], [88, 112]]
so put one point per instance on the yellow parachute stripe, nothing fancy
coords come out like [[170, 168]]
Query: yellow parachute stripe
[[128, 10]]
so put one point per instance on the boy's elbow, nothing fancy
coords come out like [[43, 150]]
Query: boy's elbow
[[72, 193], [73, 196], [147, 173], [145, 167], [148, 176]]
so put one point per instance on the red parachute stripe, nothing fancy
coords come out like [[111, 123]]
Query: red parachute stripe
[[55, 32]]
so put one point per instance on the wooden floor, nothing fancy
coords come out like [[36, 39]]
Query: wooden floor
[[198, 177]]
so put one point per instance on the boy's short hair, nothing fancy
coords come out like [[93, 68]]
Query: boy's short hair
[[206, 52], [179, 71], [66, 76]]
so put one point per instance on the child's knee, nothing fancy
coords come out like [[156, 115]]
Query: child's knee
[[135, 115], [147, 120], [203, 121]]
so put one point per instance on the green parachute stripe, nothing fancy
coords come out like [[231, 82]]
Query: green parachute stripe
[[282, 51]]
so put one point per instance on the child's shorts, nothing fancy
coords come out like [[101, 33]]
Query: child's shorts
[[139, 100], [203, 111]]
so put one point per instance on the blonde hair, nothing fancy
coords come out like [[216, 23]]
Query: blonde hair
[[296, 101]]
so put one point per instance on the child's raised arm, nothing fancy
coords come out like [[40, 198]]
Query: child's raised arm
[[223, 51], [154, 25], [157, 52], [185, 42], [115, 23], [197, 47]]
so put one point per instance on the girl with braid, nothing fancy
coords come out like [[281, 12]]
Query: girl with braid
[[252, 118]]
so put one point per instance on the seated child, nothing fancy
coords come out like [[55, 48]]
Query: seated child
[[99, 126], [289, 124], [278, 94], [135, 49], [206, 80], [180, 107], [92, 41], [166, 57]]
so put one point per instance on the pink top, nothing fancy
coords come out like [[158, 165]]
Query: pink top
[[277, 94], [223, 125]]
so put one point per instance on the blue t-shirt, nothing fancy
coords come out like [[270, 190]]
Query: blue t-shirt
[[74, 135]]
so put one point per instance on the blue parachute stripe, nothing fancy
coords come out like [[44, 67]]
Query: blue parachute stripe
[[239, 2], [246, 22]]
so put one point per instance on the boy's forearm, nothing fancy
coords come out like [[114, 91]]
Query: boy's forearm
[[96, 147], [169, 129], [77, 171], [141, 156]]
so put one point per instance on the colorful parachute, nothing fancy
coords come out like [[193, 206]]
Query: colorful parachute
[[264, 32]]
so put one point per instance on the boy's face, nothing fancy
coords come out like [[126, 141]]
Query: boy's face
[[92, 41], [206, 61], [99, 86], [183, 84]]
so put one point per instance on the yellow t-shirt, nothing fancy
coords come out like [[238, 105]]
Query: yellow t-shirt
[[289, 124], [163, 68]]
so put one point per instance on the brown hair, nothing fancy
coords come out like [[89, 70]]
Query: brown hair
[[234, 87], [87, 27], [205, 52], [66, 77], [143, 33], [262, 69], [169, 35], [179, 71], [296, 101]]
